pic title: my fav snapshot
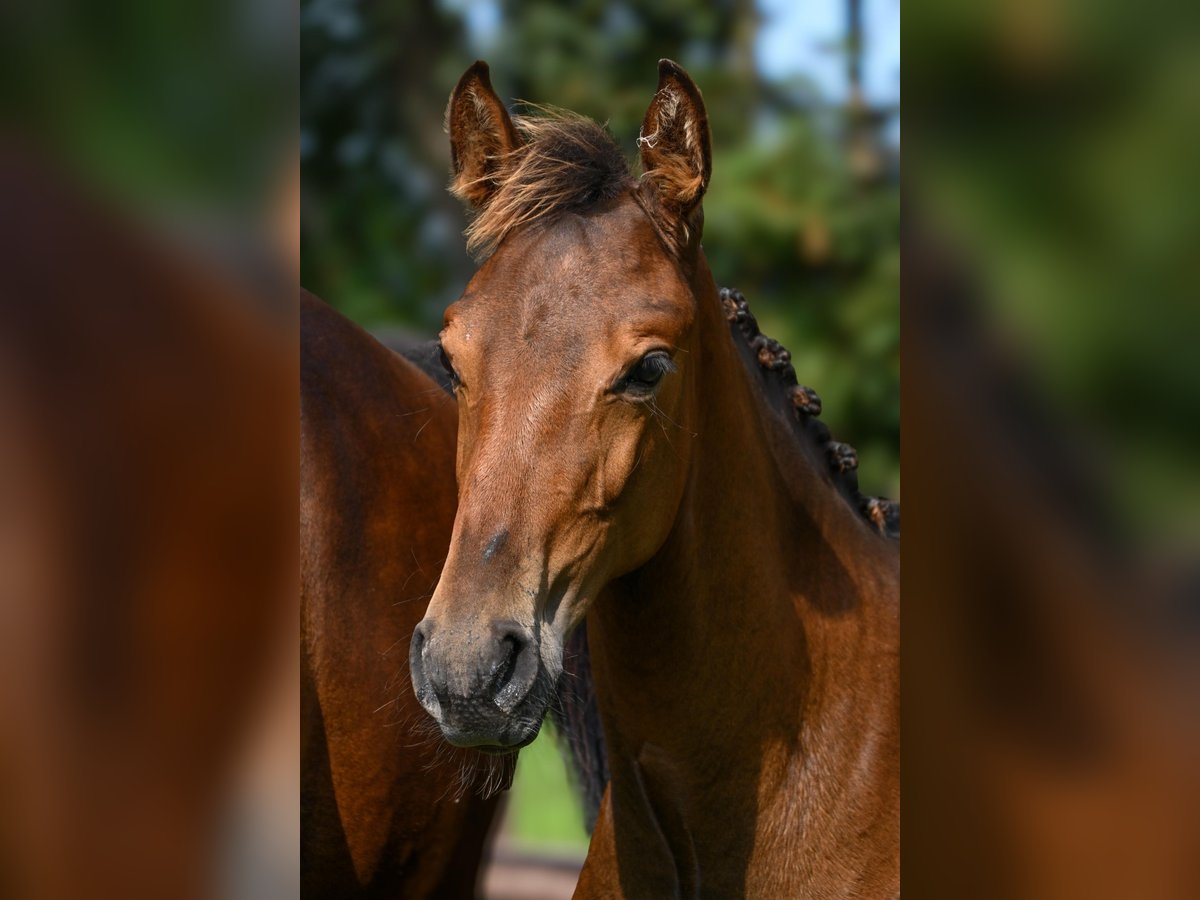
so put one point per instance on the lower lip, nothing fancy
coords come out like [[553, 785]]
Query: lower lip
[[497, 750]]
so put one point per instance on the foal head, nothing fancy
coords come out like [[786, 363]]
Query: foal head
[[573, 353]]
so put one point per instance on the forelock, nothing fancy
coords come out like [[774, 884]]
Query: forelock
[[567, 163]]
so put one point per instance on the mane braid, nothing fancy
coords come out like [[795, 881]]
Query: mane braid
[[842, 459], [567, 163]]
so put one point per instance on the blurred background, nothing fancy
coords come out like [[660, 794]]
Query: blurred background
[[802, 215], [149, 219], [1051, 397], [1056, 156]]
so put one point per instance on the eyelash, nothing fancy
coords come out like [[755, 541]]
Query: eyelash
[[657, 364]]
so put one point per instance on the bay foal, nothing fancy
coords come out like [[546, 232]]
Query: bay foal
[[632, 452]]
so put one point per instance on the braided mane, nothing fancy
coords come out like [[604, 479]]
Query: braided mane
[[842, 459]]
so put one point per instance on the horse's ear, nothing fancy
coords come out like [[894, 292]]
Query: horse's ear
[[675, 145], [481, 136]]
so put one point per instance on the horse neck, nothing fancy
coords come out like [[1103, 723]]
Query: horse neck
[[750, 624]]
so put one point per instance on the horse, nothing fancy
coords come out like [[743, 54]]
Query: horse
[[387, 808], [1055, 695], [147, 531], [633, 454]]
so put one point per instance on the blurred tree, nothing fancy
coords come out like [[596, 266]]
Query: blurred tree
[[598, 58], [379, 232], [1060, 157], [144, 100]]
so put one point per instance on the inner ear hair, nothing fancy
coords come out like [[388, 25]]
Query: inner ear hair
[[482, 135], [676, 149]]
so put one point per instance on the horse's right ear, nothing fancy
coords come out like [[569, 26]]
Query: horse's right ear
[[481, 136], [676, 148]]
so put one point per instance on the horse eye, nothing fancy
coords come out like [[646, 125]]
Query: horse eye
[[646, 373], [449, 367]]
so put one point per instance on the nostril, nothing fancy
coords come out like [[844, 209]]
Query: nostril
[[416, 649], [516, 665], [416, 664], [506, 662]]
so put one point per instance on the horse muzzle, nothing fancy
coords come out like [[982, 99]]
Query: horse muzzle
[[485, 690]]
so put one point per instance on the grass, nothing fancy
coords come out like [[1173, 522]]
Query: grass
[[544, 808]]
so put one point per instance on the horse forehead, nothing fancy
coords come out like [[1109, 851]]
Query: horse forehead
[[584, 270], [568, 290]]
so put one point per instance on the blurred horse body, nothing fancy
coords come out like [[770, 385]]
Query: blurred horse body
[[633, 453], [1056, 691], [147, 544], [388, 809]]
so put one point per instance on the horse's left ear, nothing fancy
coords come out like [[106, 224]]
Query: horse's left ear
[[675, 145]]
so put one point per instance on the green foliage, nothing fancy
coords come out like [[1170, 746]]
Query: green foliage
[[1060, 163], [171, 108], [379, 236]]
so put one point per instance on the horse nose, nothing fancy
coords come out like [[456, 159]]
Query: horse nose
[[501, 672]]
